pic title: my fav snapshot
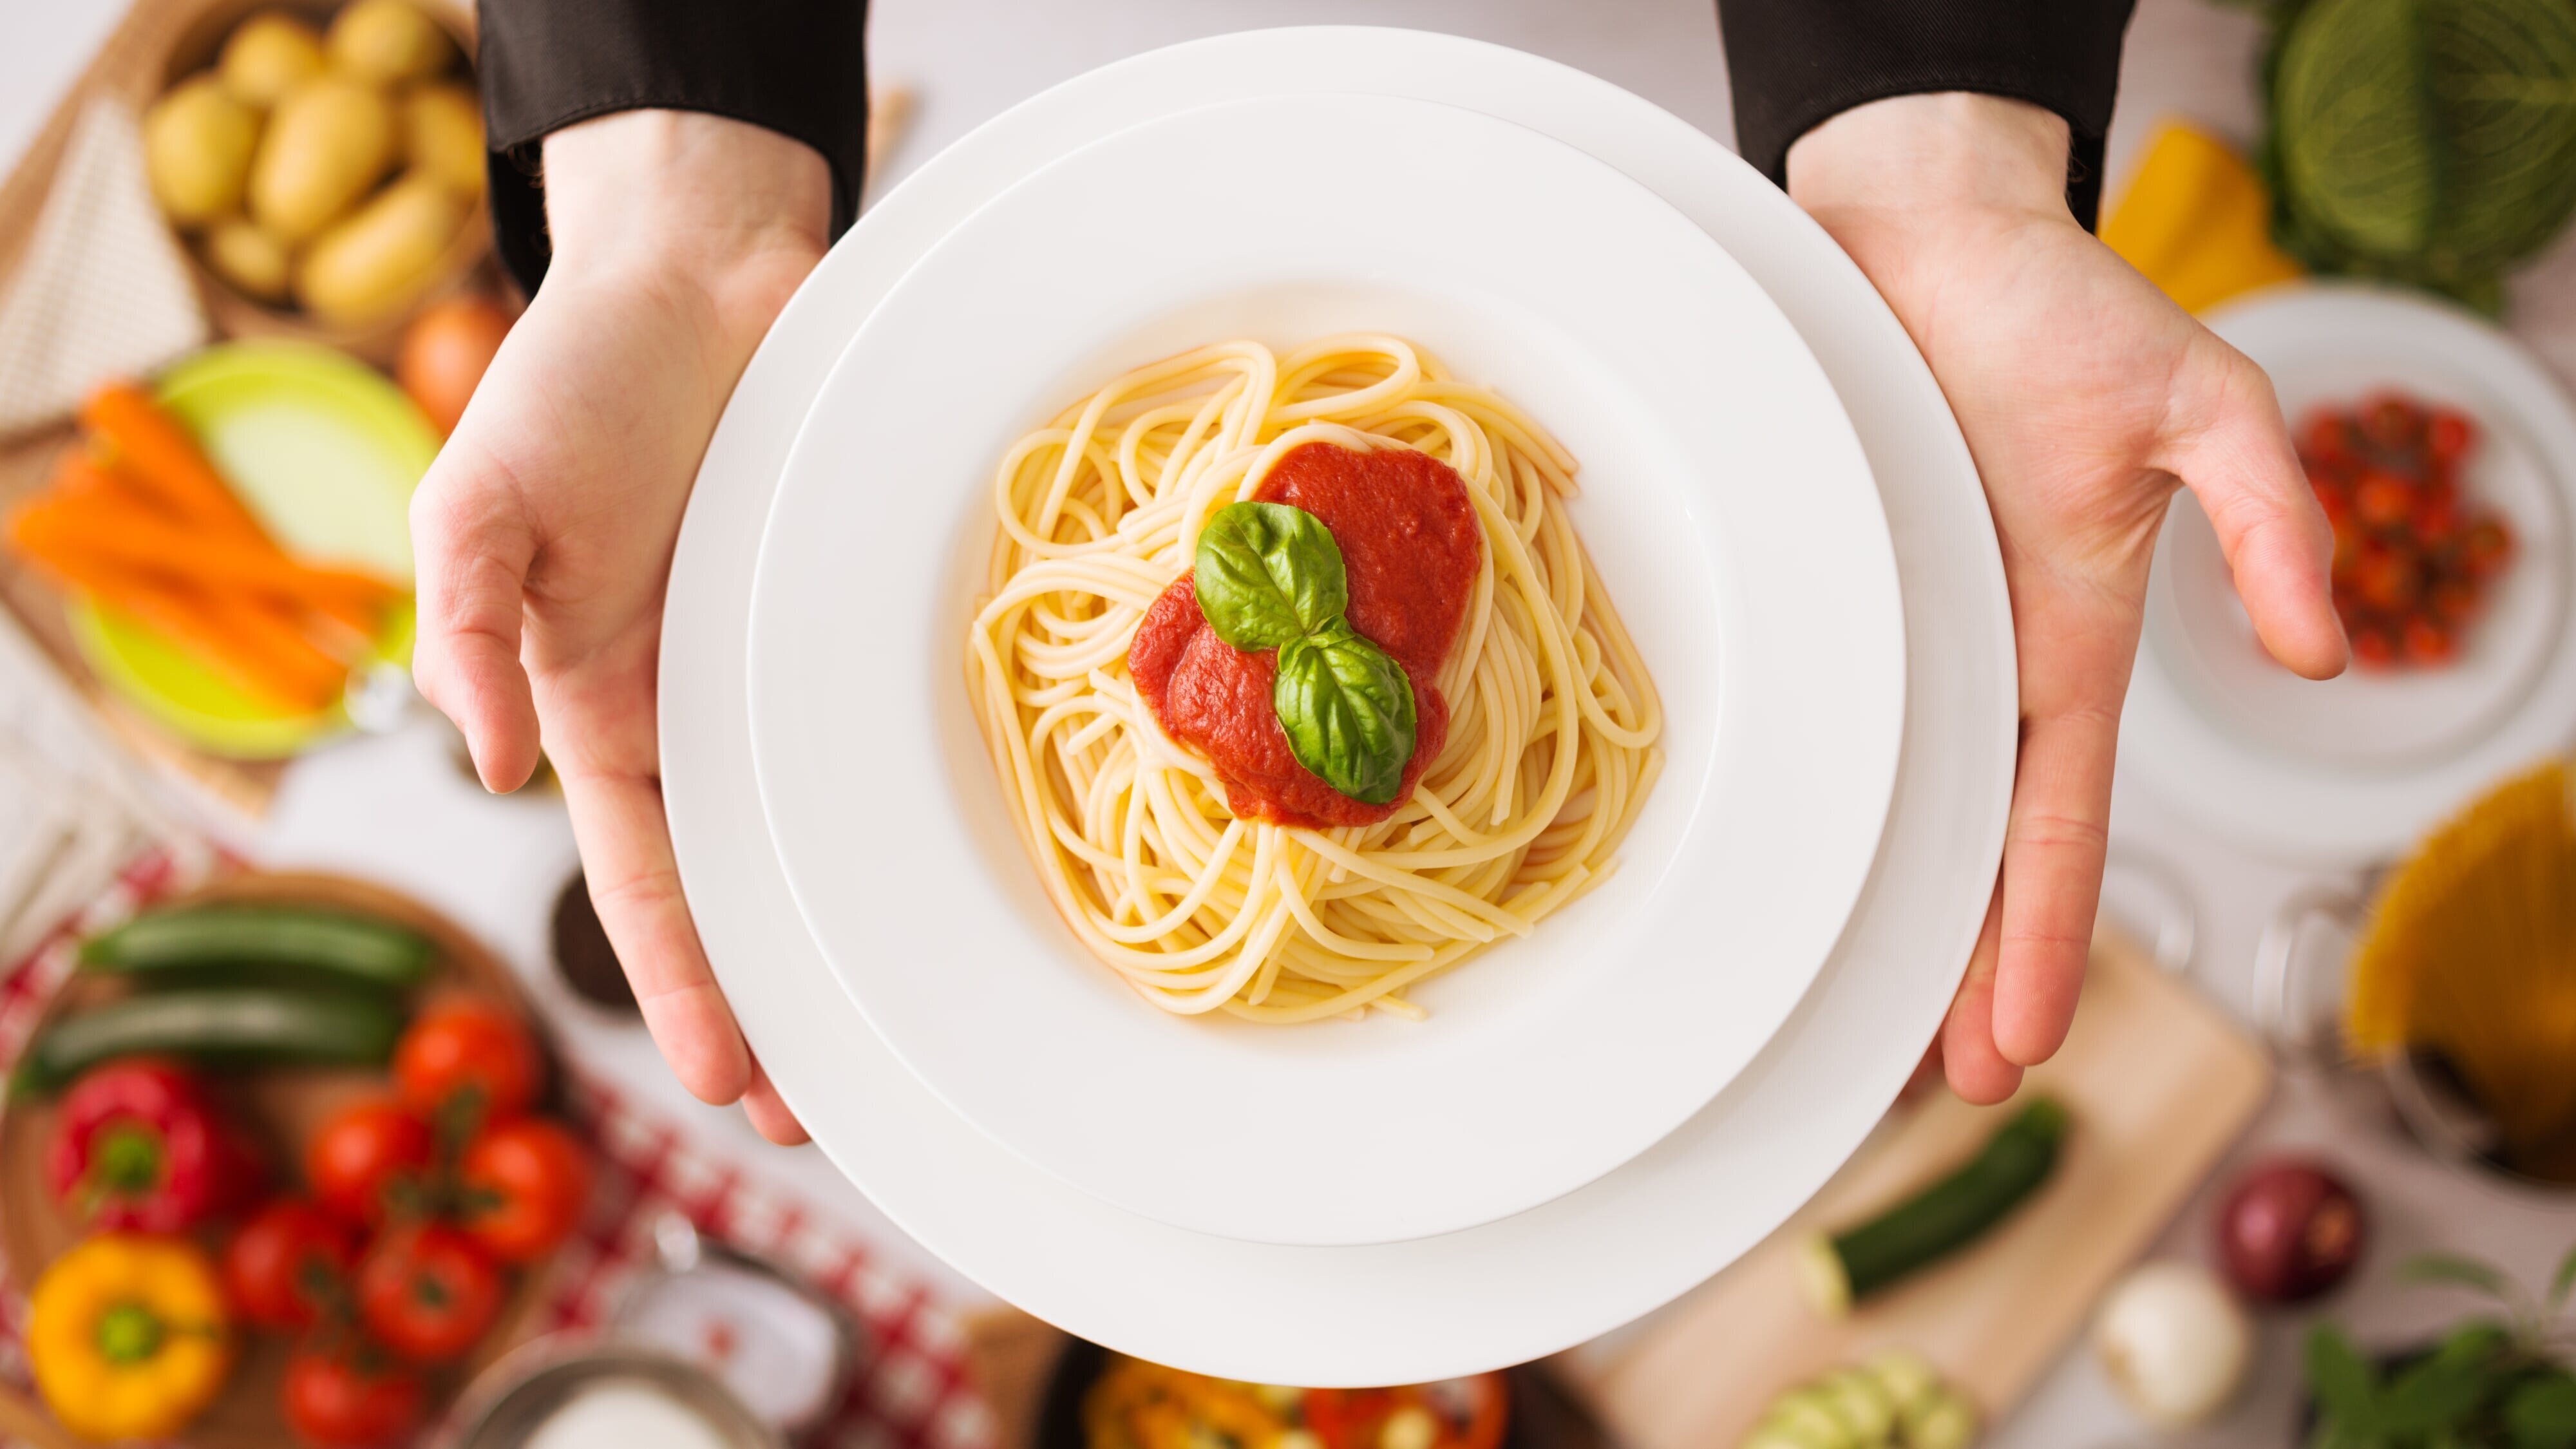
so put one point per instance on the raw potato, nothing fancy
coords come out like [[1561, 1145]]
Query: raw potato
[[386, 42], [268, 55], [249, 258], [197, 145], [373, 262], [329, 141], [443, 135]]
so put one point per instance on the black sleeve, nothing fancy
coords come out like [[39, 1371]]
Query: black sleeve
[[797, 67], [1796, 63]]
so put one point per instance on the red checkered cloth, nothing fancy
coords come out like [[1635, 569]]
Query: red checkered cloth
[[910, 1390]]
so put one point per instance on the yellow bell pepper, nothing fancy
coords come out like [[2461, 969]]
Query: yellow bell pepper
[[2197, 220], [127, 1337]]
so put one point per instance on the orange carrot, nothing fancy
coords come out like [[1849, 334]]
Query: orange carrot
[[151, 450], [252, 647], [101, 523]]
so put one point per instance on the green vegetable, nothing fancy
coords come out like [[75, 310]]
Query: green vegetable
[[2426, 141], [1807, 1418], [1942, 1218], [2487, 1382], [200, 943], [1348, 712], [1905, 1376], [1269, 576], [241, 1025], [1945, 1421], [1857, 1399], [1894, 1401]]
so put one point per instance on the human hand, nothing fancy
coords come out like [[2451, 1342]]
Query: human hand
[[543, 533], [2086, 398]]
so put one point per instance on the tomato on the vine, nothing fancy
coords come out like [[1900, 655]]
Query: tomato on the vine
[[522, 1187], [287, 1262], [349, 1398], [427, 1292], [468, 1057], [367, 1154]]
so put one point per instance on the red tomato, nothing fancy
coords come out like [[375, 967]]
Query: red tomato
[[2449, 436], [2388, 576], [2373, 648], [2384, 500], [2435, 518], [2428, 642], [2488, 549], [369, 1153], [349, 1399], [469, 1057], [427, 1292], [2324, 438], [2391, 422], [524, 1186], [287, 1262], [2455, 601]]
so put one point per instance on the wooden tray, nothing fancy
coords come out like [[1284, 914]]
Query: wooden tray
[[2160, 1084], [133, 66], [281, 1106]]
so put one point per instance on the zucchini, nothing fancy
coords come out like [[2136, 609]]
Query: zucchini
[[246, 1026], [190, 944], [1941, 1219]]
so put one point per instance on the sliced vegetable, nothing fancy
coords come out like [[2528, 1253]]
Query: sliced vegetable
[[136, 1145], [155, 453], [1846, 1267], [361, 949], [1894, 1401], [233, 1026]]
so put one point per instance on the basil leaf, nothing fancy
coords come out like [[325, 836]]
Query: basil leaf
[[1348, 712], [1267, 573]]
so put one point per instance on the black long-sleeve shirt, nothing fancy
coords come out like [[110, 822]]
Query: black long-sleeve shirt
[[798, 67]]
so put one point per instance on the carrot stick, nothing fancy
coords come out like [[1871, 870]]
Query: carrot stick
[[248, 645], [144, 540], [151, 450]]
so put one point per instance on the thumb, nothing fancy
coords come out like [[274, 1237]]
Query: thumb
[[2232, 448], [471, 546]]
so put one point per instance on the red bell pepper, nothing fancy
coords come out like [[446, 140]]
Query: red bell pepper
[[138, 1146]]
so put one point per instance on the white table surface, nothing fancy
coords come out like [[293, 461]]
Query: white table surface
[[395, 808]]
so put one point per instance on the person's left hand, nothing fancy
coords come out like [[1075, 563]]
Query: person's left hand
[[2087, 398]]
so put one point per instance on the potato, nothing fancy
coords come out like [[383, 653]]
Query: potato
[[373, 262], [327, 143], [255, 263], [386, 42], [197, 146], [268, 55], [443, 135]]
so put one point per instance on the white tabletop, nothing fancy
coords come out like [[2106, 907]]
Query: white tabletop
[[395, 808]]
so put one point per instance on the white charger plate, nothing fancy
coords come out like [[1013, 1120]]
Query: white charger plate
[[1508, 1291], [2355, 768], [1725, 499]]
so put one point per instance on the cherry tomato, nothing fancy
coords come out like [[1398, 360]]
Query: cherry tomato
[[367, 1156], [2373, 648], [2488, 549], [2384, 500], [287, 1262], [353, 1398], [2428, 642], [2436, 517], [467, 1057], [2455, 601], [427, 1292], [2324, 438], [524, 1186], [2449, 436], [2388, 576], [1460, 1413], [2390, 422]]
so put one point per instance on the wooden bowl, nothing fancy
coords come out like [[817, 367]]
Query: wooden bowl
[[237, 314], [280, 1106]]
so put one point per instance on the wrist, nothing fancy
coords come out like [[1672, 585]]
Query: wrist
[[1952, 152], [656, 197]]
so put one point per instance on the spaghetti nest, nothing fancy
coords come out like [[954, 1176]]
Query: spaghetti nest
[[1553, 720]]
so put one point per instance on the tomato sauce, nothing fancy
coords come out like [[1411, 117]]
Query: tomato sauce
[[1407, 532]]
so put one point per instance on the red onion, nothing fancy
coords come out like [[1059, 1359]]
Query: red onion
[[2290, 1231]]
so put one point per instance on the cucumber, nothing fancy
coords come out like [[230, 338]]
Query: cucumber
[[247, 1026], [1941, 1219], [194, 944]]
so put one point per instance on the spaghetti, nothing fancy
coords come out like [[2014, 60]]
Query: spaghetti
[[1551, 719]]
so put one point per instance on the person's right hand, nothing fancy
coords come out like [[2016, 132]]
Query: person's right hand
[[542, 535]]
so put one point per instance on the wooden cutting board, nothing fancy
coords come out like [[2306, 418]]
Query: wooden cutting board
[[2160, 1083]]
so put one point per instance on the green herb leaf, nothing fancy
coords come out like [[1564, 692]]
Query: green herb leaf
[[1348, 712], [2343, 1383], [2563, 1280], [2456, 1271], [1267, 573], [2542, 1413], [2441, 1391]]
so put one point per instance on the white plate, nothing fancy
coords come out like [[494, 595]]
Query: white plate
[[1694, 407], [1531, 1284], [2355, 768]]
